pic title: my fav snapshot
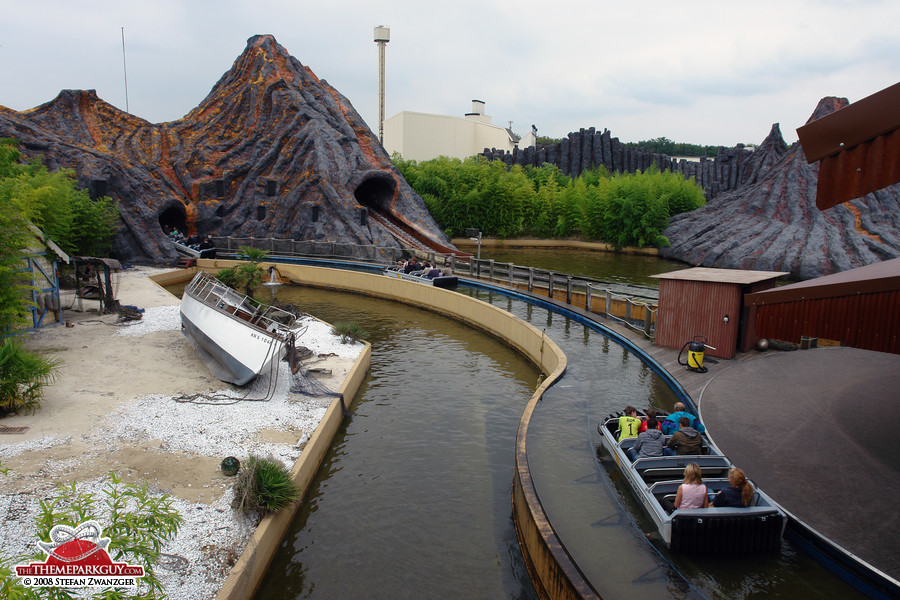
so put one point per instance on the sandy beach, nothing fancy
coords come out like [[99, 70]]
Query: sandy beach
[[119, 406]]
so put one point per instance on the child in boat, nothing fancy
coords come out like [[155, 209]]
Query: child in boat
[[692, 493], [648, 444], [651, 414], [738, 494], [629, 423]]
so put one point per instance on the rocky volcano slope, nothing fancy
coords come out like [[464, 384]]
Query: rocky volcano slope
[[272, 151], [772, 223]]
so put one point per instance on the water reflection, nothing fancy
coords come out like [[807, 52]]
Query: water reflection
[[413, 501], [629, 269]]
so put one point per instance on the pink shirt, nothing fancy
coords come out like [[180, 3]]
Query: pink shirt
[[692, 495]]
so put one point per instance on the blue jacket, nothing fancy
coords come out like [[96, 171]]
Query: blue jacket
[[670, 425]]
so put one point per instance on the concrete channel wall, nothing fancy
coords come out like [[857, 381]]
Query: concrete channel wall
[[549, 566]]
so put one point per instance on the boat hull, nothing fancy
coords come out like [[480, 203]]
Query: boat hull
[[232, 350]]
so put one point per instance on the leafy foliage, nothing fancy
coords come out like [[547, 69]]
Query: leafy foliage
[[137, 523], [23, 375], [264, 484], [663, 145], [249, 274], [29, 194], [624, 210], [349, 332]]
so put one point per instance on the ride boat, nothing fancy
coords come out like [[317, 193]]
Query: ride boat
[[714, 530], [235, 336], [441, 281]]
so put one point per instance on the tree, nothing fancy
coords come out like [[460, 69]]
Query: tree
[[249, 274]]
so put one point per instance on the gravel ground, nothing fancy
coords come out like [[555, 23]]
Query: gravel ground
[[195, 564]]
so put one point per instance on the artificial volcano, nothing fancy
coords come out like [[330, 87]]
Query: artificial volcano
[[771, 223], [271, 152]]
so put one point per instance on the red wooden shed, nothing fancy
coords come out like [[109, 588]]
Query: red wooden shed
[[858, 308], [709, 302]]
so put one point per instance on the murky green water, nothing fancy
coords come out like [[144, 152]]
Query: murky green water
[[631, 269], [413, 500]]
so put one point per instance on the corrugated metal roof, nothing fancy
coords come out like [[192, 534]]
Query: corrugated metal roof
[[878, 277], [739, 276], [858, 146]]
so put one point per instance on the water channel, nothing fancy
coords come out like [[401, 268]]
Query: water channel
[[413, 499]]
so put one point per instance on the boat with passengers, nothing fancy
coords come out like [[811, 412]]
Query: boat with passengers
[[714, 530], [441, 281]]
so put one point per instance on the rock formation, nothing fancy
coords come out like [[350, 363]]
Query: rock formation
[[772, 223], [272, 151]]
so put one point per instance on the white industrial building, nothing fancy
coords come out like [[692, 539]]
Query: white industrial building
[[422, 136]]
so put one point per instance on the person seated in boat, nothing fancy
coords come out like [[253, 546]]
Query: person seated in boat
[[629, 424], [651, 413], [670, 425], [686, 440], [206, 248], [411, 265], [738, 493], [692, 493], [648, 444], [447, 271], [432, 272]]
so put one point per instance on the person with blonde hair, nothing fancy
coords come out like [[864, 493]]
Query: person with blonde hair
[[738, 494], [692, 493]]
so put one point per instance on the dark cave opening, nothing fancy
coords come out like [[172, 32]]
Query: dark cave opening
[[173, 217], [376, 190]]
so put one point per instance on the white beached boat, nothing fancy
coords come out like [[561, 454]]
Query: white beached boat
[[441, 281], [714, 530], [237, 338]]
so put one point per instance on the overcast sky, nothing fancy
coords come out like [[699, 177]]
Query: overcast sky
[[713, 73]]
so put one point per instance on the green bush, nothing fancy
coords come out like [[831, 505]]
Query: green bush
[[349, 332], [264, 484], [23, 376]]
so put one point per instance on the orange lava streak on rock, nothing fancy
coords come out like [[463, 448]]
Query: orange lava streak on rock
[[90, 121], [165, 167], [857, 216]]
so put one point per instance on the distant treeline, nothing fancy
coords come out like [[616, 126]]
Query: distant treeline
[[660, 145], [666, 146], [623, 210]]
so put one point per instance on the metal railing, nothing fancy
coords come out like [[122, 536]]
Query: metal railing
[[632, 306]]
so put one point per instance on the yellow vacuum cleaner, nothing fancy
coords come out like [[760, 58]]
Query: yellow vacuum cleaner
[[696, 348]]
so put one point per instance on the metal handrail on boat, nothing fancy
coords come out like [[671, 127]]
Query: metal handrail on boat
[[212, 292]]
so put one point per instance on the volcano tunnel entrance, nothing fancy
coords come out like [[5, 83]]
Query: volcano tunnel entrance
[[376, 190], [173, 217]]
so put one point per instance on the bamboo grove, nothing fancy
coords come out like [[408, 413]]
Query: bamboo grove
[[620, 209]]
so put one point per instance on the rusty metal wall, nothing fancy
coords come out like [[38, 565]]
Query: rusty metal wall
[[689, 308], [867, 321]]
